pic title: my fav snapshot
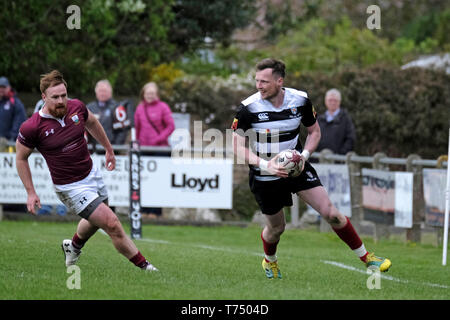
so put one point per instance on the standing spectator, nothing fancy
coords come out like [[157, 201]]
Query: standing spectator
[[112, 116], [12, 114], [153, 119], [336, 126], [154, 124], [12, 111]]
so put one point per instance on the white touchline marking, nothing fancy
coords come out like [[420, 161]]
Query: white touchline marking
[[343, 266], [155, 240], [337, 264], [201, 246]]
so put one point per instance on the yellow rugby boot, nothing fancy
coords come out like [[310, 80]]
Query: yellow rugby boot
[[379, 263], [271, 268]]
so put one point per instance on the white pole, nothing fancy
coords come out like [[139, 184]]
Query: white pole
[[447, 204], [294, 210], [133, 134]]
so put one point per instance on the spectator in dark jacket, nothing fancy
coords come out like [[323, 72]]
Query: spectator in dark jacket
[[336, 126], [112, 115], [12, 111]]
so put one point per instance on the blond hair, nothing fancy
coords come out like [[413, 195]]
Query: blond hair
[[148, 84]]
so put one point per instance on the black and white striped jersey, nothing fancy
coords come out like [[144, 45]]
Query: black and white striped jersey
[[271, 130]]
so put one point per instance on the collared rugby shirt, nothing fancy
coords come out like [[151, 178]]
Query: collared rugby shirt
[[60, 141], [271, 130]]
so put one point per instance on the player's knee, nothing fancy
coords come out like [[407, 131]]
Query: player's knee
[[278, 229], [114, 227], [334, 217], [327, 211]]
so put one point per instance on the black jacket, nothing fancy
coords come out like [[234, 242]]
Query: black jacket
[[115, 122], [12, 115], [337, 135]]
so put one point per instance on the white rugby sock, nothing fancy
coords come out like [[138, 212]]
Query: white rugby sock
[[271, 258], [361, 251]]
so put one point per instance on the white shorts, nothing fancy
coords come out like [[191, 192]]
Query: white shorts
[[78, 195]]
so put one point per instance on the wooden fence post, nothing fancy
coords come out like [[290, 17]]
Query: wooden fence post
[[414, 234], [381, 229], [324, 225], [355, 181]]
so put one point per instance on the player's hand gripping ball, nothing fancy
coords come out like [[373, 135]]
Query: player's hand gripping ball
[[291, 161]]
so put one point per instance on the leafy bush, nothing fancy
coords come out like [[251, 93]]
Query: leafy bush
[[395, 111], [213, 100]]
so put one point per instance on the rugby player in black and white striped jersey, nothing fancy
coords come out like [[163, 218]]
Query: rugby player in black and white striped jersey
[[269, 121]]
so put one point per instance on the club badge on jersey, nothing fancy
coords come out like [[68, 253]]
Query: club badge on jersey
[[235, 124], [75, 118]]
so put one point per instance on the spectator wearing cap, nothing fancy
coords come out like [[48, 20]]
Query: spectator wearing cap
[[12, 111]]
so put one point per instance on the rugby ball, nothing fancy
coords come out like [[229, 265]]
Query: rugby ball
[[291, 161]]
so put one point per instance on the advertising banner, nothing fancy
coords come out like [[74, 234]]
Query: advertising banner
[[335, 179], [434, 184], [165, 182], [387, 197]]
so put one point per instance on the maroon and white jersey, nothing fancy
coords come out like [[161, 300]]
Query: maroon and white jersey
[[60, 141]]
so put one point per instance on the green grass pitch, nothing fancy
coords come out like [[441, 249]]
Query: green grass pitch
[[212, 263]]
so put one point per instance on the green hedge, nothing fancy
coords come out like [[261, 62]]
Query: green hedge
[[395, 111], [398, 112]]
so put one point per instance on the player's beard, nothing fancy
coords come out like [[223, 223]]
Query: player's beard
[[59, 111], [270, 95]]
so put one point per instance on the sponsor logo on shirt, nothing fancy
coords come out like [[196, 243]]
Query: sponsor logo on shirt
[[69, 147], [49, 132], [311, 176], [263, 116]]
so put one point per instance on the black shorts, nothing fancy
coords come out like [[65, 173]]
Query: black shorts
[[86, 213], [272, 196]]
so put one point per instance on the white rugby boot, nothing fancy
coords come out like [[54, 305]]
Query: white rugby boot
[[70, 253], [150, 267]]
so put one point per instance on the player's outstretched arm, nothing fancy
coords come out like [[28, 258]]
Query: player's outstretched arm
[[245, 154], [23, 169], [96, 130], [312, 139]]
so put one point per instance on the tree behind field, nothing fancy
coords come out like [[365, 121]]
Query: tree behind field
[[119, 40], [395, 111]]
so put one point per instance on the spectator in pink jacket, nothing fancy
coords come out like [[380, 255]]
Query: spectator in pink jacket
[[154, 124], [153, 119]]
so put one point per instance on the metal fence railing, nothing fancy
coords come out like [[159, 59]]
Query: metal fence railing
[[413, 163]]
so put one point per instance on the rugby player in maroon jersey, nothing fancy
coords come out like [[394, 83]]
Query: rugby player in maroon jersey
[[57, 132]]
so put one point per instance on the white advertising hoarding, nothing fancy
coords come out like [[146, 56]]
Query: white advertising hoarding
[[434, 184], [403, 217], [199, 183], [388, 197], [335, 180], [11, 187]]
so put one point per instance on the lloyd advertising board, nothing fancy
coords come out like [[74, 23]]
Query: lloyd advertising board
[[165, 182]]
